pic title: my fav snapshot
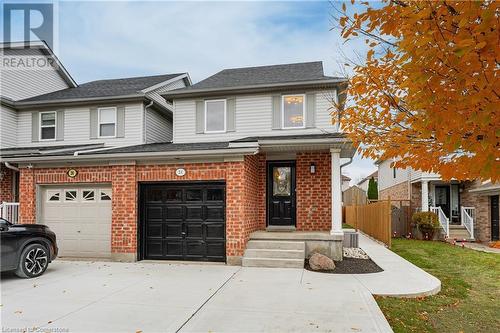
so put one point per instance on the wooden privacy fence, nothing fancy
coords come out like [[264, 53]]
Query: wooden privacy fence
[[373, 219]]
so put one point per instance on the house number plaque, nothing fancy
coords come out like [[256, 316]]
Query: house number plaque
[[180, 172], [72, 173]]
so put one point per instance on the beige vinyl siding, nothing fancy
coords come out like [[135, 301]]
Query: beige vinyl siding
[[158, 127], [8, 127], [386, 178], [253, 118], [19, 84], [77, 128]]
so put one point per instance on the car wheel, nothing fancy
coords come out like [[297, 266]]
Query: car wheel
[[33, 261]]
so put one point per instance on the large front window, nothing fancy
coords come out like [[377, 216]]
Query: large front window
[[47, 126], [215, 116], [293, 111], [107, 122]]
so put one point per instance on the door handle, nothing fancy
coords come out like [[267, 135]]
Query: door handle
[[183, 234]]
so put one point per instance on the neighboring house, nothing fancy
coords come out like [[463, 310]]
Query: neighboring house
[[345, 182], [363, 183], [467, 209], [129, 169]]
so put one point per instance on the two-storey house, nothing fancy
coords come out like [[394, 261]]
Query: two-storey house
[[466, 209], [157, 168]]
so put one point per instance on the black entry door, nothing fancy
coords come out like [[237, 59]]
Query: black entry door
[[183, 221], [281, 193], [495, 218], [442, 194]]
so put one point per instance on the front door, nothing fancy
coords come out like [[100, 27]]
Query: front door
[[281, 193], [442, 194], [495, 218]]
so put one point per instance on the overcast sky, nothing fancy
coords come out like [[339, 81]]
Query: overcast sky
[[100, 40]]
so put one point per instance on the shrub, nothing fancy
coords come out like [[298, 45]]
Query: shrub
[[372, 189], [427, 223]]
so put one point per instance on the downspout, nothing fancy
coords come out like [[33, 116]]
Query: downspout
[[145, 134], [10, 166]]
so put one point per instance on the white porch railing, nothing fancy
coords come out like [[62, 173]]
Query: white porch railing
[[468, 214], [443, 220], [10, 211]]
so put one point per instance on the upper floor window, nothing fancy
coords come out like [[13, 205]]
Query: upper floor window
[[107, 122], [215, 116], [293, 111], [48, 125], [393, 172]]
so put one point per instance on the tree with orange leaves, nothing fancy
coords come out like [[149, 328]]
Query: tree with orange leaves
[[428, 95]]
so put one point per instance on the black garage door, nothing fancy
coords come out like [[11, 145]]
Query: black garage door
[[183, 221]]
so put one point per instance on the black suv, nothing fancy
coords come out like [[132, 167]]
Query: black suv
[[27, 249]]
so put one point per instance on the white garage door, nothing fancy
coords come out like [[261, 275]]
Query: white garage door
[[81, 218]]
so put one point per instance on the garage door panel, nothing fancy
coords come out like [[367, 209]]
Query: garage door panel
[[215, 230], [216, 249], [194, 230], [194, 213], [173, 248], [215, 213], [82, 224], [155, 213], [173, 230], [174, 212], [154, 230]]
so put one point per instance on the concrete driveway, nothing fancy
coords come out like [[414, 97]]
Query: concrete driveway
[[160, 297]]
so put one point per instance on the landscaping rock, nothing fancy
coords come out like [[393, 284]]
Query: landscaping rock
[[319, 262], [355, 252]]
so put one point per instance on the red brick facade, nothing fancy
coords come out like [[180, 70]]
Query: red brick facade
[[6, 185], [314, 208], [245, 194]]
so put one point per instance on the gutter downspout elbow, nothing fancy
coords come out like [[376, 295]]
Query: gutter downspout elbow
[[10, 166]]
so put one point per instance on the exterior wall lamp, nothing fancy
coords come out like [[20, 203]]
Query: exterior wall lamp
[[312, 168]]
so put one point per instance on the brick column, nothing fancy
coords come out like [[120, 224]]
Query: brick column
[[124, 213], [235, 210], [27, 196], [6, 184]]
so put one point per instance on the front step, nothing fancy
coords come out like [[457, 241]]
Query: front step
[[273, 262], [274, 253], [276, 245], [459, 233]]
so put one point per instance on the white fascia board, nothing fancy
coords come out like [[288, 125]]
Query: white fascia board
[[161, 84]]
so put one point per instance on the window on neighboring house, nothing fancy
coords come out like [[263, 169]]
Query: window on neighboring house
[[215, 116], [393, 172], [48, 125], [293, 109], [107, 122]]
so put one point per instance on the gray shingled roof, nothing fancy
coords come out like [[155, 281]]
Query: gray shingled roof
[[105, 88], [293, 137], [261, 76]]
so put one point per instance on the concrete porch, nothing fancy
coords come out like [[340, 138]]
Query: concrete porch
[[289, 248]]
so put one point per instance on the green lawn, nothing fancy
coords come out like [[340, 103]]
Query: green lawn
[[469, 300]]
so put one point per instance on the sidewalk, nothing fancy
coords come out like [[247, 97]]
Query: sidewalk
[[400, 278], [479, 247]]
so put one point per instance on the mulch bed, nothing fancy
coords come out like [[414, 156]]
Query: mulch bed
[[351, 266]]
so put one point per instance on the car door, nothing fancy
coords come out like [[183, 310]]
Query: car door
[[8, 244]]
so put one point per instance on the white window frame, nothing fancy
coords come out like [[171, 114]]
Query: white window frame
[[50, 193], [70, 190], [99, 121], [40, 126], [89, 201], [225, 115], [106, 193], [303, 111]]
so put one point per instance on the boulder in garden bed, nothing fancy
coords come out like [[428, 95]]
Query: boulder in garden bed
[[319, 262]]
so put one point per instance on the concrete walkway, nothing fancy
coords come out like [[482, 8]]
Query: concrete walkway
[[400, 278], [479, 247]]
